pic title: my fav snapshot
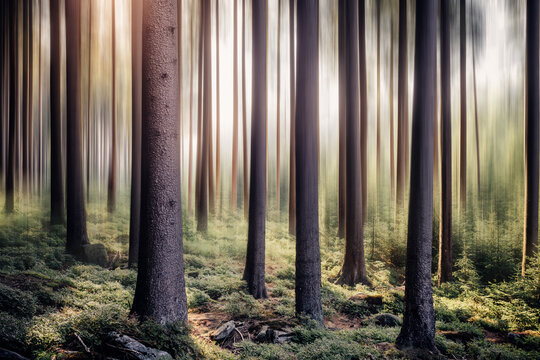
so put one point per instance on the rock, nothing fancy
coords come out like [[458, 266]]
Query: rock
[[282, 337], [127, 348], [386, 319], [370, 299], [95, 254], [10, 355], [223, 332], [262, 335]]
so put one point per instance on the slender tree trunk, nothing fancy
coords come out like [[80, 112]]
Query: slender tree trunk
[[476, 119], [463, 106], [403, 148], [445, 239], [13, 50], [89, 102], [391, 100], [354, 265], [363, 102], [234, 178], [111, 188], [292, 179], [308, 259], [342, 198], [57, 183], [378, 9], [190, 151], [210, 134], [199, 114], [136, 114], [418, 329], [76, 212], [530, 240], [160, 292], [244, 111], [278, 110], [4, 13], [26, 92], [40, 104], [254, 270], [218, 130]]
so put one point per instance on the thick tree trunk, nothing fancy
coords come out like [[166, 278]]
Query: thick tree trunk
[[244, 111], [254, 270], [308, 259], [418, 329], [354, 265], [403, 123], [342, 199], [363, 102], [57, 183], [463, 106], [278, 110], [111, 188], [530, 241], [445, 239], [292, 178], [160, 293], [234, 177], [12, 122], [136, 114], [76, 211]]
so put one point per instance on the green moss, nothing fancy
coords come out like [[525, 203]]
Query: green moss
[[17, 302]]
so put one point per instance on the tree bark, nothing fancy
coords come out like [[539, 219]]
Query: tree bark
[[57, 183], [463, 106], [418, 329], [292, 179], [476, 119], [391, 98], [244, 112], [278, 112], [234, 177], [76, 211], [218, 130], [199, 211], [254, 270], [354, 265], [378, 165], [530, 241], [89, 102], [111, 188], [342, 199], [136, 115], [308, 259], [403, 123], [445, 239], [160, 292], [190, 151], [363, 102]]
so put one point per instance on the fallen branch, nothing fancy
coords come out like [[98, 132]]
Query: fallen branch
[[86, 348]]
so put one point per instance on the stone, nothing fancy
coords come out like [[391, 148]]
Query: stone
[[224, 331], [386, 319], [262, 336], [96, 254], [126, 347]]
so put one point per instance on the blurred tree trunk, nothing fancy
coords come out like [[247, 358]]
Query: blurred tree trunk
[[136, 114], [530, 241], [391, 101], [76, 212], [292, 179], [111, 188], [218, 130], [26, 92], [12, 122], [89, 103], [403, 123], [160, 293], [418, 330], [198, 169], [445, 240], [378, 9], [4, 20], [354, 265], [278, 112], [190, 151], [463, 106], [244, 111], [476, 118], [363, 102], [57, 183], [342, 199], [254, 270], [234, 177], [308, 259]]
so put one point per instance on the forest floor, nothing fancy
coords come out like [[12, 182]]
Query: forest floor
[[53, 307]]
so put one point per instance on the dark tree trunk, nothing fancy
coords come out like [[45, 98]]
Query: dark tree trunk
[[254, 270], [363, 102], [418, 329], [342, 198], [445, 240], [76, 211], [530, 241], [57, 183], [354, 265], [160, 293], [199, 116], [278, 112], [26, 93], [308, 259], [403, 123], [292, 179], [244, 111], [111, 188], [12, 122], [234, 177], [136, 99], [463, 106]]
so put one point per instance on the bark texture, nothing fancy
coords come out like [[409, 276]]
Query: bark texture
[[463, 106], [363, 102]]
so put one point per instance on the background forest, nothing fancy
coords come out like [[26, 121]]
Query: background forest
[[253, 82]]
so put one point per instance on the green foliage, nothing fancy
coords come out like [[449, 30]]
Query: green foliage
[[241, 305], [16, 302]]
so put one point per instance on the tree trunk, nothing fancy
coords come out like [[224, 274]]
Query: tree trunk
[[57, 183], [190, 151], [363, 102], [342, 199], [403, 148], [26, 93], [160, 293], [136, 113], [278, 112], [292, 179], [445, 239], [308, 259], [476, 119], [234, 177], [111, 188], [13, 50], [254, 270], [218, 130], [354, 265], [378, 9], [244, 111], [198, 169], [89, 102], [418, 329], [391, 100], [530, 241], [463, 106], [76, 211]]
